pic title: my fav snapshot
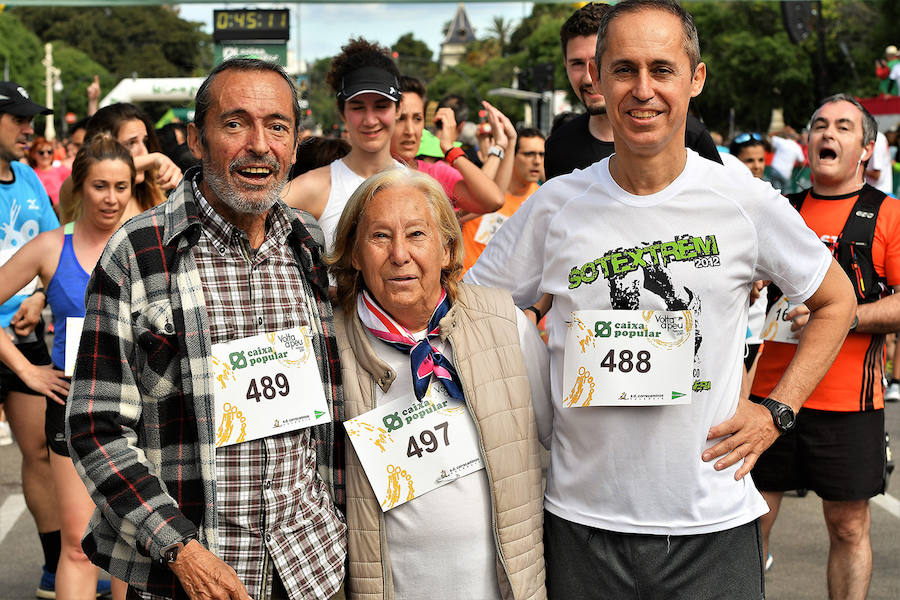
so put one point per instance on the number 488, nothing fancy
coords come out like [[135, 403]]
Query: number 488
[[626, 361]]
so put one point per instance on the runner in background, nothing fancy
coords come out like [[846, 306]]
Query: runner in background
[[102, 177], [467, 187], [367, 84], [528, 172]]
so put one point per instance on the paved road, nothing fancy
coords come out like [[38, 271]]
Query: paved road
[[799, 541]]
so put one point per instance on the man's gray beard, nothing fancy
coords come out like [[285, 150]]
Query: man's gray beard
[[234, 200]]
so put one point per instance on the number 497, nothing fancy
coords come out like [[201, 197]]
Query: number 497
[[428, 439]]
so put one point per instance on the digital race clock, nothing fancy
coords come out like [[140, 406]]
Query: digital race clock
[[250, 24]]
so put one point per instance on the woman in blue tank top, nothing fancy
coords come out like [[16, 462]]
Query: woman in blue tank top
[[103, 176]]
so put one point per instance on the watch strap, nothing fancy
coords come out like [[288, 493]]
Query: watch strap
[[774, 407], [169, 554], [453, 153]]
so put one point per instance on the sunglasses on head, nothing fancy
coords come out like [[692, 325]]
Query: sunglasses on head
[[746, 137]]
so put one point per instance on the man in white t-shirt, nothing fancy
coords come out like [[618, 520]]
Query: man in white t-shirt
[[879, 168], [644, 492], [787, 153]]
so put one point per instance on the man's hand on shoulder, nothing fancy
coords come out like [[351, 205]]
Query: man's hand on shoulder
[[747, 434], [204, 576]]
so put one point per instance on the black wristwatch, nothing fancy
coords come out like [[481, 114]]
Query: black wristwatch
[[170, 552], [782, 414]]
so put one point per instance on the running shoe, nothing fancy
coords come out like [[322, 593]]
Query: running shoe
[[6, 438], [47, 588], [892, 394]]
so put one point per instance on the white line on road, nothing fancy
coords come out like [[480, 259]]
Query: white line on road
[[10, 512], [888, 503]]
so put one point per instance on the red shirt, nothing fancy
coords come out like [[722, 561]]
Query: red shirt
[[472, 248], [854, 381]]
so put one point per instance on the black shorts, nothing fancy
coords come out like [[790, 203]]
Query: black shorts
[[586, 563], [36, 353], [55, 427], [750, 352], [838, 455]]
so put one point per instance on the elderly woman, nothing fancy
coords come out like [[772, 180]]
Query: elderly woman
[[408, 327]]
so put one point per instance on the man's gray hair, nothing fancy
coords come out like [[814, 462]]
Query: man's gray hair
[[869, 125], [204, 99], [690, 39]]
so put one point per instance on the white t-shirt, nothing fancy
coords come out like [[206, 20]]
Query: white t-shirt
[[638, 469], [344, 182], [436, 537], [895, 72], [787, 154], [881, 161]]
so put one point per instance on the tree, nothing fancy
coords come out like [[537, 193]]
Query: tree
[[539, 14], [753, 67], [501, 30], [414, 57], [22, 52], [322, 102], [77, 71], [151, 41]]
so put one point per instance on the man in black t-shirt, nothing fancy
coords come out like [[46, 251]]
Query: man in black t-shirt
[[588, 138]]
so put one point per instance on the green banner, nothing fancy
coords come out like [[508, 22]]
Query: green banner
[[276, 53]]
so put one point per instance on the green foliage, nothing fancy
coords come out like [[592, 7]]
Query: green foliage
[[540, 13], [472, 82], [322, 102], [414, 57], [501, 29], [23, 52], [77, 71], [753, 66], [152, 41]]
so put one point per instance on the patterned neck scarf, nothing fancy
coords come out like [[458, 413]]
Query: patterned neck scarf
[[424, 359]]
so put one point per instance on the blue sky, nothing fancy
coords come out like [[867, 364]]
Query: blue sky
[[325, 27]]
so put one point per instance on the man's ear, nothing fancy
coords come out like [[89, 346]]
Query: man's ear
[[193, 141], [698, 80]]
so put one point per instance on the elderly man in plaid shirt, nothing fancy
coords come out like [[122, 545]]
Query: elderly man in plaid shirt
[[222, 266]]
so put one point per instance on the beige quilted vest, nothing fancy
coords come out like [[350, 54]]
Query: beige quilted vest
[[481, 328]]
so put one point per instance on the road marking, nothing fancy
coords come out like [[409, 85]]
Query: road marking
[[888, 503], [10, 512]]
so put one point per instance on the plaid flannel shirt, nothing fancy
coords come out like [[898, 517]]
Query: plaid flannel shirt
[[140, 413]]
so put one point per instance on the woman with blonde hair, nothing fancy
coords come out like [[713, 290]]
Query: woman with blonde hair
[[413, 340], [103, 177]]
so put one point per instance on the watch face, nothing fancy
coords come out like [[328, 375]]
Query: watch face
[[784, 418]]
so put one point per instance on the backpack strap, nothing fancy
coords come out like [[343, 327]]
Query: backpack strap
[[853, 249]]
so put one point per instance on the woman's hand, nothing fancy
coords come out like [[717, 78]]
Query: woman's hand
[[168, 175], [47, 381], [446, 133]]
